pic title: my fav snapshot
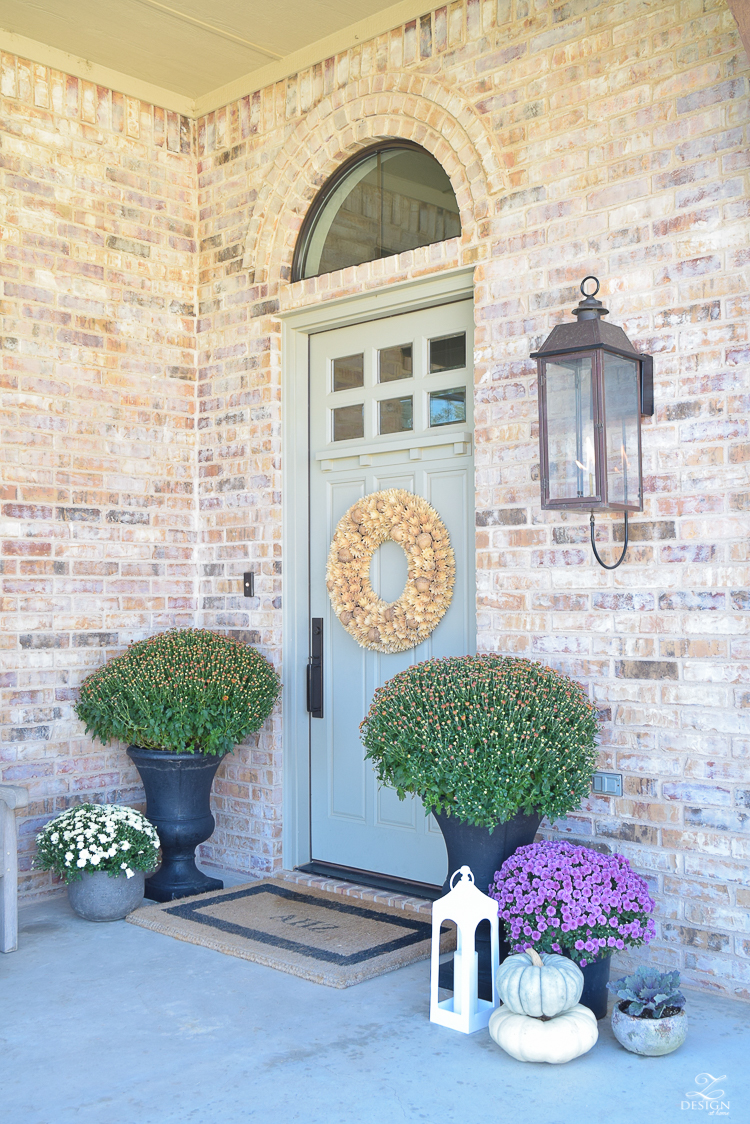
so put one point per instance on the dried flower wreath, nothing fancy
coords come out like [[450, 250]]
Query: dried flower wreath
[[411, 522]]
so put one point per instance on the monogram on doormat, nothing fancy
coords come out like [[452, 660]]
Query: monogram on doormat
[[320, 936]]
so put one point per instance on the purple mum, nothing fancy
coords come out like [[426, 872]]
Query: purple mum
[[556, 896]]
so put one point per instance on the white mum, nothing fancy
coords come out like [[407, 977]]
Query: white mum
[[94, 837]]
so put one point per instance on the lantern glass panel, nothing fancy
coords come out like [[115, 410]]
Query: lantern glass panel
[[622, 406], [570, 428]]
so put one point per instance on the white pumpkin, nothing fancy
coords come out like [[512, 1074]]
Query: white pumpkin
[[530, 984], [557, 1040]]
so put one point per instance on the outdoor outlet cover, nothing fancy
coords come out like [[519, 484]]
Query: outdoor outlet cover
[[608, 784]]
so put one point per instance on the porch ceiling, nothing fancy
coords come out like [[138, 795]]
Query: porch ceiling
[[189, 49]]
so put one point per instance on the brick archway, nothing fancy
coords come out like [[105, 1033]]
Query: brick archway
[[409, 108]]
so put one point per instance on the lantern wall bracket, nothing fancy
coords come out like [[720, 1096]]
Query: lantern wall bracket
[[596, 553]]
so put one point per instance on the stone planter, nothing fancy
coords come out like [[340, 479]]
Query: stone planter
[[178, 803], [650, 1037], [98, 897], [485, 850]]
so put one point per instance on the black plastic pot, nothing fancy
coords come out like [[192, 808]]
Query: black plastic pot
[[595, 980], [178, 794], [485, 850]]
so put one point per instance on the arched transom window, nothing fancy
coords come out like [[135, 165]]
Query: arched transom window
[[390, 198]]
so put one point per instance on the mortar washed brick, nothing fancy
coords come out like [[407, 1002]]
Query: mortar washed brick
[[579, 138], [97, 265]]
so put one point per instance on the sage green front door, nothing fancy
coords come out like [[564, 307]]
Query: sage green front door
[[390, 407]]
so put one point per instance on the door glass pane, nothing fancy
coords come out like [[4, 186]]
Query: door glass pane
[[389, 201], [621, 407], [570, 428], [396, 415], [448, 406], [348, 372], [394, 363], [348, 422], [448, 353]]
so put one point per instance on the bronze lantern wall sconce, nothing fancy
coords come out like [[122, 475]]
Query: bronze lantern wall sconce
[[593, 388]]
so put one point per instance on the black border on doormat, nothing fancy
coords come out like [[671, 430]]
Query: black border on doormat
[[420, 930]]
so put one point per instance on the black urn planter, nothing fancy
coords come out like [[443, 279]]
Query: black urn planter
[[178, 794], [485, 850]]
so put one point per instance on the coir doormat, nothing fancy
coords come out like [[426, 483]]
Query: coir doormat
[[320, 936]]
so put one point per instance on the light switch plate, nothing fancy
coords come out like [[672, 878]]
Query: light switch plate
[[607, 784]]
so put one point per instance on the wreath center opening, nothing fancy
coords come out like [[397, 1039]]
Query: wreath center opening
[[389, 569]]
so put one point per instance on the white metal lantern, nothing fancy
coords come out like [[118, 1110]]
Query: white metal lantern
[[466, 906]]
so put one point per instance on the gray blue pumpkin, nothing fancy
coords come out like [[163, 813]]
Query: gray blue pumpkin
[[546, 985]]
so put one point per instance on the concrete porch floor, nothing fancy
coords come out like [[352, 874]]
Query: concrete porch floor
[[114, 1024]]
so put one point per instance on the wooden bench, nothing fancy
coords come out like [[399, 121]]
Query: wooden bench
[[12, 796]]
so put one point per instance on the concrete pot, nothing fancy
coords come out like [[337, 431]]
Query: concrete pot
[[97, 897], [650, 1037]]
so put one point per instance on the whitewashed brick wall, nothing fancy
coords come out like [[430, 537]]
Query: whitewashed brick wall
[[99, 519], [580, 138]]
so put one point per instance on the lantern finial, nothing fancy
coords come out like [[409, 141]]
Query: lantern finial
[[590, 308]]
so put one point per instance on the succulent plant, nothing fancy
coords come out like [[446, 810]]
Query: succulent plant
[[649, 993]]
